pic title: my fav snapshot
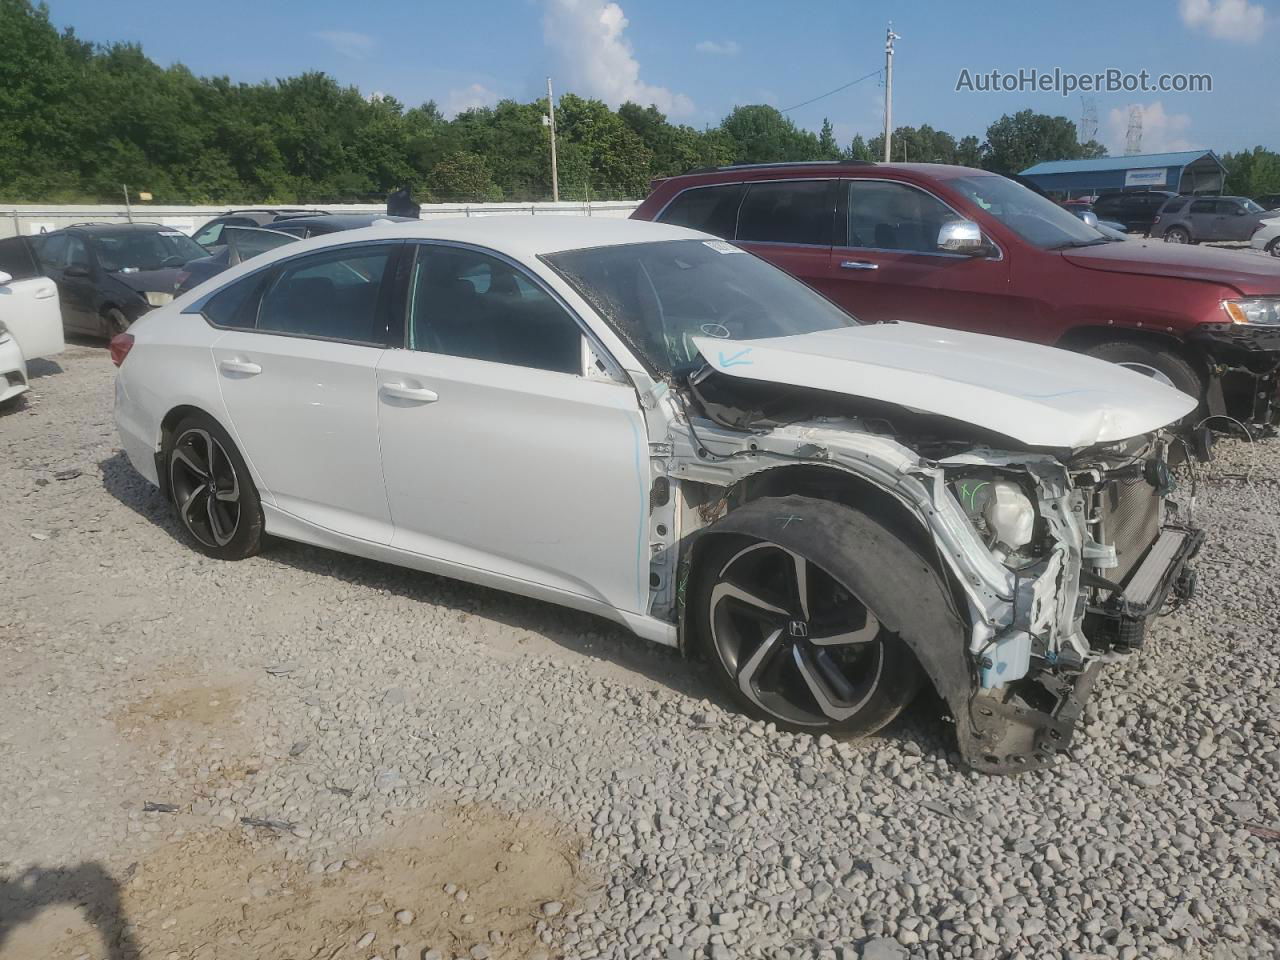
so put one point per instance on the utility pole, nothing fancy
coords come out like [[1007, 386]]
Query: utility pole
[[888, 89], [128, 210], [551, 122]]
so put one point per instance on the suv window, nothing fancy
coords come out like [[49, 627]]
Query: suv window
[[1203, 206], [332, 295], [1230, 208], [236, 305], [1174, 205], [797, 211], [894, 216], [77, 254], [463, 303], [709, 209], [16, 258]]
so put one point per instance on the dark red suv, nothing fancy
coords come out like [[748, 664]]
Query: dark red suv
[[965, 248]]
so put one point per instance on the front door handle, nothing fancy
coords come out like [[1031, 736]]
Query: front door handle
[[859, 265], [240, 368], [401, 391]]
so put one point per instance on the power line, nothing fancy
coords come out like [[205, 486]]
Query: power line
[[821, 96]]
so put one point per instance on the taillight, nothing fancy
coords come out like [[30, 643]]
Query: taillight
[[121, 344], [182, 277]]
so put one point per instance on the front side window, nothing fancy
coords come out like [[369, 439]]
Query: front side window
[[659, 296], [333, 296], [797, 211], [709, 209], [250, 241], [895, 216], [463, 303], [1037, 220], [210, 236]]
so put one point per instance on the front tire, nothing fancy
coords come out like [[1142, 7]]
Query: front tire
[[213, 496], [788, 639], [1159, 362], [1273, 248]]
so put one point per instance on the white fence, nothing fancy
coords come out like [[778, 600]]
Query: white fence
[[42, 218]]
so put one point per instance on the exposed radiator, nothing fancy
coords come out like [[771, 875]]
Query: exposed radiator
[[1130, 513]]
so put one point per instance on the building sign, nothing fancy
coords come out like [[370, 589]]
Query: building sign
[[1154, 177]]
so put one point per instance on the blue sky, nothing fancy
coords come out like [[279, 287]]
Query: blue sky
[[698, 58]]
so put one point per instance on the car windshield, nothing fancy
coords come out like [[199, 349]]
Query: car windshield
[[659, 296], [249, 241], [1036, 219], [129, 250]]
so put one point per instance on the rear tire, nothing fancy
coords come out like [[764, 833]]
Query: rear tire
[[1166, 361], [1273, 248], [115, 322], [213, 496], [785, 635], [1177, 235]]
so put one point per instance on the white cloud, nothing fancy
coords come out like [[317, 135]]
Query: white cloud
[[357, 46], [724, 48], [1225, 19], [1161, 132], [595, 58], [468, 98]]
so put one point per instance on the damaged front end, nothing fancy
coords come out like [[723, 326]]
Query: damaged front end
[[1056, 559]]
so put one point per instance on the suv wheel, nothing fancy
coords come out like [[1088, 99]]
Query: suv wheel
[[115, 321], [1158, 362], [1176, 235], [785, 633], [1273, 248]]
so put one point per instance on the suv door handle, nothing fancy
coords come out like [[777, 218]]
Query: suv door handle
[[242, 368], [400, 391], [859, 265]]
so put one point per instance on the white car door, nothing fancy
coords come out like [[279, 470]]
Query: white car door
[[298, 382], [497, 452], [29, 302]]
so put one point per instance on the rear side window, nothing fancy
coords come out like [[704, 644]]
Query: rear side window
[[333, 296], [17, 260], [1174, 205], [236, 306], [798, 211], [1202, 206], [709, 209]]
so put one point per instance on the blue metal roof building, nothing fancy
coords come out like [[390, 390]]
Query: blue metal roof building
[[1190, 171]]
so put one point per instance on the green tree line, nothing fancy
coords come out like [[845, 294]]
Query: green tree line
[[77, 120]]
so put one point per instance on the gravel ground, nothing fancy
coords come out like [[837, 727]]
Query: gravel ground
[[439, 770]]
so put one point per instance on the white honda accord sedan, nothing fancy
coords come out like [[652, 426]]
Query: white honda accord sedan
[[648, 423]]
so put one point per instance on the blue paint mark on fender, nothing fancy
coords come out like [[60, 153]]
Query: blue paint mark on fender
[[735, 360]]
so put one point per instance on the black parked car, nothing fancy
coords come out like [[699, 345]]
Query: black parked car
[[1136, 210], [210, 234], [1193, 219], [242, 243], [110, 274]]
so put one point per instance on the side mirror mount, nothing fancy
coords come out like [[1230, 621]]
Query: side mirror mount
[[963, 237], [5, 278]]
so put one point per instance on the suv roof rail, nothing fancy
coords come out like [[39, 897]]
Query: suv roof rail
[[113, 223], [783, 163]]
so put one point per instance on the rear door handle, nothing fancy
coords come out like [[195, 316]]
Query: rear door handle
[[858, 265], [240, 368], [400, 391]]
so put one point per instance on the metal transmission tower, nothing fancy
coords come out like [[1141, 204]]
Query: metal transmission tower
[[1087, 128], [1133, 138]]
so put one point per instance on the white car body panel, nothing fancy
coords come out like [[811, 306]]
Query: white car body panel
[[536, 475], [30, 312], [13, 369], [308, 422], [1039, 396], [1266, 234]]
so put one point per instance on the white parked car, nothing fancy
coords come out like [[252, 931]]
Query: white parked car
[[30, 317], [1267, 236], [650, 424]]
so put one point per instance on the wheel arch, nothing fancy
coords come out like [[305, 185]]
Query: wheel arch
[[168, 423], [1081, 338]]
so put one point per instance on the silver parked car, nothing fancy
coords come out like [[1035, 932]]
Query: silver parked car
[[1196, 219]]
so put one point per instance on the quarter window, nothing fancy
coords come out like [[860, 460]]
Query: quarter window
[[463, 303], [798, 211], [16, 258], [894, 216], [334, 296], [236, 305], [709, 209]]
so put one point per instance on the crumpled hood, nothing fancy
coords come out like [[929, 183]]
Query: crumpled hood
[[1040, 396], [164, 280], [1250, 274]]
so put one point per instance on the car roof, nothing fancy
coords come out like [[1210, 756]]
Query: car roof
[[810, 168], [342, 221], [118, 228]]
